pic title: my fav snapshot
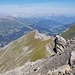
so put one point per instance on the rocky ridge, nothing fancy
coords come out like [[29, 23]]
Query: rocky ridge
[[58, 64], [25, 49], [41, 36]]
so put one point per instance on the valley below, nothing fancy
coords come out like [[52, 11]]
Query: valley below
[[11, 28]]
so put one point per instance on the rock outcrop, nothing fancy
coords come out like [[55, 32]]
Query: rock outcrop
[[72, 59], [41, 36], [57, 64]]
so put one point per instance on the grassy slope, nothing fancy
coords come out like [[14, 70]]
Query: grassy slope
[[14, 55], [69, 33]]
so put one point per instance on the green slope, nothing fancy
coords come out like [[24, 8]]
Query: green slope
[[26, 48], [70, 33]]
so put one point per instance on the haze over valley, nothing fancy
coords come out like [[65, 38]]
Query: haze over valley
[[11, 28]]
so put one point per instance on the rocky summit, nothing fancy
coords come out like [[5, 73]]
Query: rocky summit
[[33, 54]]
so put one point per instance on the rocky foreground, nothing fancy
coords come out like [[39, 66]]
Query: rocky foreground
[[57, 64]]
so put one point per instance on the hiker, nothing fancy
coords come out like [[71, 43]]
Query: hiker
[[59, 43]]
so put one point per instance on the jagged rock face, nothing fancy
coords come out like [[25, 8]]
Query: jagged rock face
[[55, 65], [61, 44], [19, 57], [61, 69], [72, 59], [41, 36]]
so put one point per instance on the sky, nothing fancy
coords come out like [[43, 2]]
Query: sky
[[40, 7]]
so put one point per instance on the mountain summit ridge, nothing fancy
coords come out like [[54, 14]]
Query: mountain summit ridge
[[33, 56], [49, 65], [26, 48], [41, 36]]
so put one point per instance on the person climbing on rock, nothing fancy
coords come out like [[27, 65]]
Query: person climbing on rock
[[59, 43]]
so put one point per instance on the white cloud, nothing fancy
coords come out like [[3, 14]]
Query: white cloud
[[37, 9]]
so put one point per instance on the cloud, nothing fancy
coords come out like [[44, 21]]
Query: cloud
[[37, 9]]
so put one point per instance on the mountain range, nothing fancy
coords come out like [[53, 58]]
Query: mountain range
[[11, 28]]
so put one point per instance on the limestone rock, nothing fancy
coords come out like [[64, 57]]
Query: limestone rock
[[41, 36], [72, 59]]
